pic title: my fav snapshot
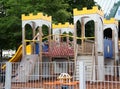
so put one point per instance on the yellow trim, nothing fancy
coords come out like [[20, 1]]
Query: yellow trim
[[31, 40], [66, 35], [110, 21], [60, 25], [84, 11], [38, 16], [61, 35]]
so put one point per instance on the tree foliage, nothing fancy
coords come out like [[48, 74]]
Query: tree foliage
[[11, 10]]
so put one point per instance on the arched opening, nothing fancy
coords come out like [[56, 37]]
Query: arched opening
[[45, 32], [28, 36], [70, 36], [108, 43], [87, 35], [89, 29], [78, 31], [64, 37], [108, 33], [119, 31], [28, 32], [45, 38]]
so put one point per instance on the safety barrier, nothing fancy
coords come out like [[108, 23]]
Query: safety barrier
[[43, 75], [104, 77], [59, 75], [2, 76]]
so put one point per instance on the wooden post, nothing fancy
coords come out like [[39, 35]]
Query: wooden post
[[96, 51], [82, 33], [33, 45], [96, 45], [114, 53], [23, 42], [40, 49], [49, 42], [40, 42], [74, 45], [67, 38], [60, 38], [49, 39], [74, 37]]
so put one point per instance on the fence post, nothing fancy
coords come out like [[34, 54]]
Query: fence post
[[8, 75], [82, 76]]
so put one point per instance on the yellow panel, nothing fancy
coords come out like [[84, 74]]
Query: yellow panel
[[38, 16], [66, 25], [29, 50], [110, 21], [84, 11]]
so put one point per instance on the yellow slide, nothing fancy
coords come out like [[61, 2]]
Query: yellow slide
[[18, 54]]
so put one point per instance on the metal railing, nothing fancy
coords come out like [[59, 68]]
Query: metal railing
[[104, 77], [46, 75], [43, 76], [2, 76]]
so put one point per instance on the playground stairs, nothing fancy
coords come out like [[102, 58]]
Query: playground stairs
[[88, 62], [26, 69]]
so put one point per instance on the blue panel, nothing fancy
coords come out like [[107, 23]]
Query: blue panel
[[37, 48], [45, 48], [108, 49], [111, 49]]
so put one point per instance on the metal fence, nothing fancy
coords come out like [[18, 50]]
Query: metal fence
[[104, 77], [45, 75], [59, 75], [2, 77]]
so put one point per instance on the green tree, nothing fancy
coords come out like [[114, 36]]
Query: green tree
[[11, 10]]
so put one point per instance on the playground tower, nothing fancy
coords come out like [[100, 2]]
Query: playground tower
[[28, 62]]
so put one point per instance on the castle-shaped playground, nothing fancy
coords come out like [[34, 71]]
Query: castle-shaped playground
[[63, 44]]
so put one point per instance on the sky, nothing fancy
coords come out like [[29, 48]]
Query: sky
[[106, 5]]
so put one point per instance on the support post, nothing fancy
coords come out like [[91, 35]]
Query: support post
[[40, 49], [82, 33], [23, 42], [49, 39], [8, 75], [114, 53], [33, 35], [82, 80], [96, 49]]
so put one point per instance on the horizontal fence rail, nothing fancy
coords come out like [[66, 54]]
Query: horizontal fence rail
[[58, 75], [104, 77], [44, 75]]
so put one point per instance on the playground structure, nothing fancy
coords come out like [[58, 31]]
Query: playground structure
[[102, 47], [58, 47]]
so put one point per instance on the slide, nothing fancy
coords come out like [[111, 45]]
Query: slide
[[18, 54], [27, 68]]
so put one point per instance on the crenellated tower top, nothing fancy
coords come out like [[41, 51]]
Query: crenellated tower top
[[110, 21], [94, 10], [60, 25], [36, 17]]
